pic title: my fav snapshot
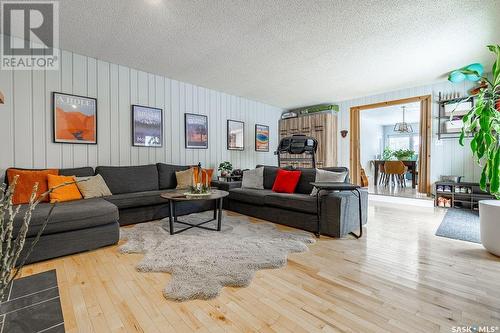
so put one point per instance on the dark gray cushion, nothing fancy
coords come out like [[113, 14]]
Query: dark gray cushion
[[70, 215], [294, 201], [270, 173], [78, 172], [166, 174], [307, 176], [130, 179], [248, 195], [136, 199], [73, 241]]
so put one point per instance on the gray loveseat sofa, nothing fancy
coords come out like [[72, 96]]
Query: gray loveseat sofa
[[339, 210], [87, 224]]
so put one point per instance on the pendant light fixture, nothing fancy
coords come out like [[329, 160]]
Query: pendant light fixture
[[403, 127]]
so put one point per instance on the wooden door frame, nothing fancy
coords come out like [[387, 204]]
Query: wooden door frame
[[355, 166]]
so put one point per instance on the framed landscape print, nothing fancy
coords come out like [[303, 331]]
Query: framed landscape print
[[74, 118], [235, 135], [196, 131], [147, 126], [261, 137]]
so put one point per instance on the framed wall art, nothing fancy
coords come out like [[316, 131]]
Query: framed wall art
[[196, 131], [74, 118], [261, 138], [235, 135], [147, 126]]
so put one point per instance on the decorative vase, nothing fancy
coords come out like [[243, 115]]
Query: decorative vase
[[223, 173], [489, 210]]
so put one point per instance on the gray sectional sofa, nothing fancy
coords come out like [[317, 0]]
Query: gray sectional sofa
[[83, 225], [339, 210]]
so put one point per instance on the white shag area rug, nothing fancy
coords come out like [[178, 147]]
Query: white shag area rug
[[202, 262]]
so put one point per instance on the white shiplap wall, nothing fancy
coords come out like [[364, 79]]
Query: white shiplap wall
[[447, 156], [26, 118]]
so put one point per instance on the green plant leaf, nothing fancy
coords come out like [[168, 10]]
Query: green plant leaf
[[484, 177], [480, 147], [462, 136], [466, 118], [488, 139], [473, 145], [496, 66], [495, 176]]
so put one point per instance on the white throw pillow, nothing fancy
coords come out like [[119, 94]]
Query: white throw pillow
[[253, 179], [328, 176], [92, 187]]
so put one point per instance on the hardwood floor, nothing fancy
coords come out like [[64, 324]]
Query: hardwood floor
[[398, 278], [397, 191]]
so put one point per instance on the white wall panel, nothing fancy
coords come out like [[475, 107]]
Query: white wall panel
[[26, 118]]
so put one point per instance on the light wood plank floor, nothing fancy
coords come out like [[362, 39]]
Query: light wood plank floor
[[398, 278]]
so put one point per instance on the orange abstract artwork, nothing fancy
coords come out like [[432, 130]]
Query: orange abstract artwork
[[75, 119]]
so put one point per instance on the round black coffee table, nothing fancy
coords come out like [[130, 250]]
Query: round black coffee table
[[179, 196]]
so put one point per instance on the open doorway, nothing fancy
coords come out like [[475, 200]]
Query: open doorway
[[390, 147], [390, 136]]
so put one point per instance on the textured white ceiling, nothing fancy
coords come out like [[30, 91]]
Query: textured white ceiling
[[390, 115], [287, 53]]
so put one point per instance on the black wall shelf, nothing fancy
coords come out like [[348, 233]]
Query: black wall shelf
[[443, 118]]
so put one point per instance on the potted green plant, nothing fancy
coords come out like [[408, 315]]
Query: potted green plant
[[225, 168], [388, 154], [404, 154], [482, 122]]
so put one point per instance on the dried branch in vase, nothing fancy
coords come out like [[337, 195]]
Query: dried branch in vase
[[11, 261]]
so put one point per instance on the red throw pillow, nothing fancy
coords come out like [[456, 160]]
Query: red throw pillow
[[286, 181]]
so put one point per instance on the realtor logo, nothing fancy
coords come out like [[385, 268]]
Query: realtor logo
[[30, 35]]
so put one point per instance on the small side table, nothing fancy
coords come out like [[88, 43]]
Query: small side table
[[334, 186]]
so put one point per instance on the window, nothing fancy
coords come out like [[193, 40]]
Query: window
[[404, 141], [399, 142]]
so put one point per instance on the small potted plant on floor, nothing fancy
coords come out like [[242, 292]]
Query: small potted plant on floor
[[483, 124], [225, 168]]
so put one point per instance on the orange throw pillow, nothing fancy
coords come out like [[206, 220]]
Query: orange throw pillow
[[26, 181], [65, 193]]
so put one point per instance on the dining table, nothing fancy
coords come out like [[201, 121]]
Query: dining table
[[412, 168]]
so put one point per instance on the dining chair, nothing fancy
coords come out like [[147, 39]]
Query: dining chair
[[395, 172], [383, 175]]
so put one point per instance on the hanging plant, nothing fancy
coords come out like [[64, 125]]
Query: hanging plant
[[483, 121]]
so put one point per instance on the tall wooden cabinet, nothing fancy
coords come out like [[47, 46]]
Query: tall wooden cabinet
[[323, 127]]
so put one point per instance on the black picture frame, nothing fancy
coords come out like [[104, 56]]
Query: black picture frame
[[134, 108], [228, 134], [56, 138], [187, 144], [257, 139]]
